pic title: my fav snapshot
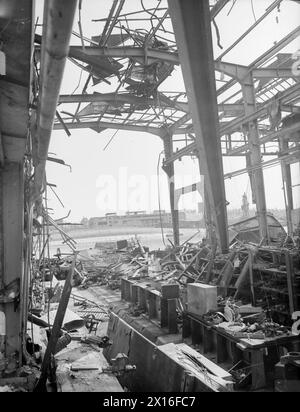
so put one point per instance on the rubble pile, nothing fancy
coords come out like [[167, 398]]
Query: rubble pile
[[247, 294], [248, 274], [263, 282]]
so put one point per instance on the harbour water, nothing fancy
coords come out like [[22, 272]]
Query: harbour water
[[151, 239]]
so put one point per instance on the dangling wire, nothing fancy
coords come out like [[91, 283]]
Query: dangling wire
[[110, 140], [218, 34], [234, 1], [253, 12]]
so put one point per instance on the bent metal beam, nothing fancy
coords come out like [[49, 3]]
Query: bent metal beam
[[130, 52], [99, 126]]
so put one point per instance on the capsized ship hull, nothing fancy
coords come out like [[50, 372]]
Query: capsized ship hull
[[247, 230]]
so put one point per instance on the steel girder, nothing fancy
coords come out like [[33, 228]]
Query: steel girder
[[232, 109], [233, 70], [258, 188], [191, 21], [169, 169], [238, 122], [99, 126]]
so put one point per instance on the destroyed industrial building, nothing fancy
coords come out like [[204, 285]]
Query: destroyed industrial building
[[215, 311]]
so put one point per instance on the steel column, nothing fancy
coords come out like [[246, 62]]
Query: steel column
[[57, 29], [168, 147], [207, 213], [255, 155], [12, 255], [287, 185], [192, 27], [250, 174], [2, 312]]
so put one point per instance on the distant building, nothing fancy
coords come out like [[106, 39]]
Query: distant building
[[136, 218], [84, 221], [97, 221]]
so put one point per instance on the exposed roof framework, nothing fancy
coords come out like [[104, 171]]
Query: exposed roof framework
[[134, 56]]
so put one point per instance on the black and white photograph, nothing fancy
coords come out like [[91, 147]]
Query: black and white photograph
[[149, 199]]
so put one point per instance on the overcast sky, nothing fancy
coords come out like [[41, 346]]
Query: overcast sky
[[130, 162]]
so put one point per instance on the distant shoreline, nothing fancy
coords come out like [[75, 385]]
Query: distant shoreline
[[111, 231], [148, 236]]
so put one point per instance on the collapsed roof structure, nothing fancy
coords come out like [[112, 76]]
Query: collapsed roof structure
[[137, 52]]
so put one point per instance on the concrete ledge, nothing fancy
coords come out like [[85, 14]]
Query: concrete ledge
[[163, 368], [146, 327]]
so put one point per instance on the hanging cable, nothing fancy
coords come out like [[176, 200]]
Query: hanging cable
[[78, 84], [57, 197], [110, 140], [218, 34], [234, 1], [80, 24], [253, 12]]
